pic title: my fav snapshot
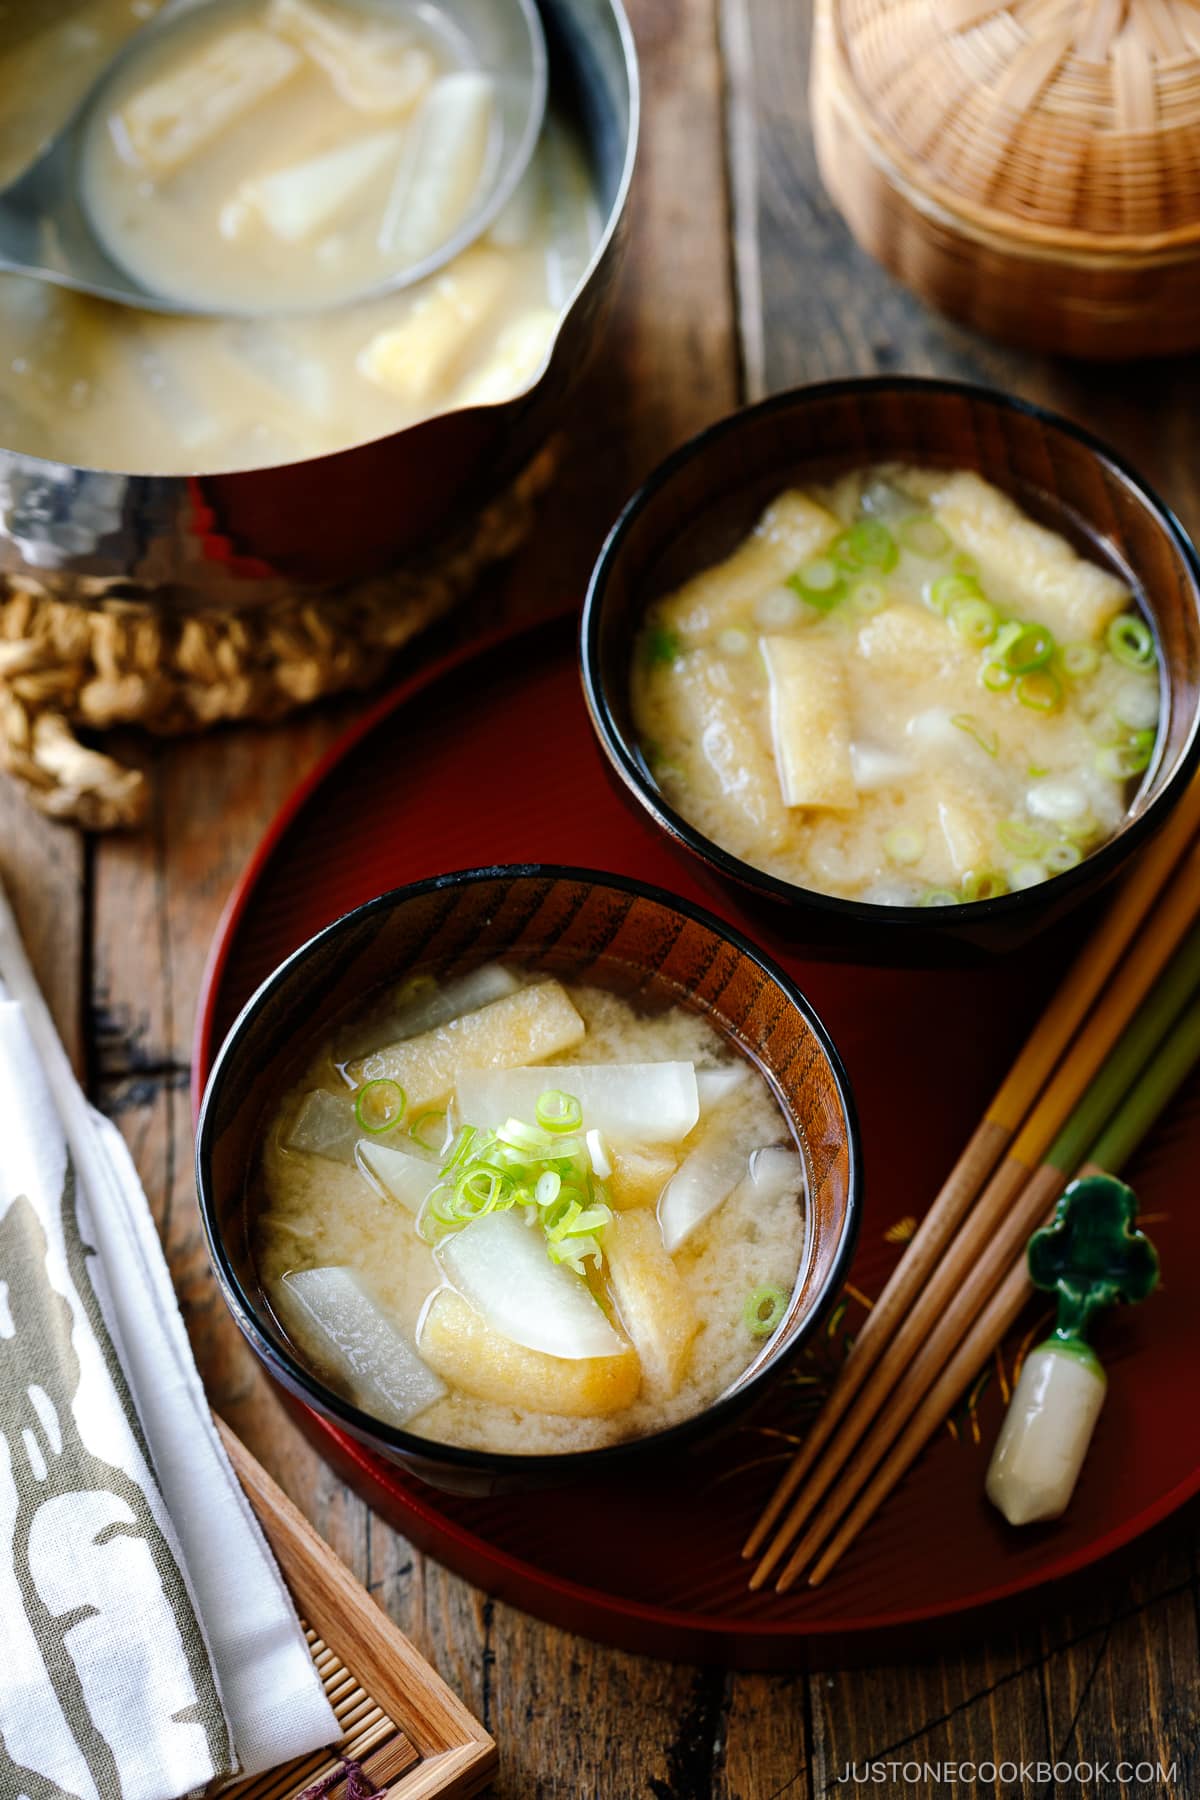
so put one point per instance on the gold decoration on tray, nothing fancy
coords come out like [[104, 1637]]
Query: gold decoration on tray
[[64, 666], [1032, 168]]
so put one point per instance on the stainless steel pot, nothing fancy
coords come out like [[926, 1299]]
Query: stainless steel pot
[[235, 540]]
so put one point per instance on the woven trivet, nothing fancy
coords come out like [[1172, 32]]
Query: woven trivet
[[65, 667]]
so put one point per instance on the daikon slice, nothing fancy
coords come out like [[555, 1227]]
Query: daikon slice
[[775, 1172], [426, 1006], [333, 1318], [450, 136], [630, 1103], [325, 1126], [406, 1177], [459, 1343], [702, 1182], [500, 1265], [715, 1086], [296, 201]]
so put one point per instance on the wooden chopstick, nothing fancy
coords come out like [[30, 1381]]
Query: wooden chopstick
[[991, 1138], [1176, 1058], [1130, 1065], [959, 1284]]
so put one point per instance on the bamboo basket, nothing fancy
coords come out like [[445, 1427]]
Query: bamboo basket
[[1031, 168]]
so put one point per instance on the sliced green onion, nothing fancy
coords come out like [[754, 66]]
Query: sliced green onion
[[1026, 875], [983, 884], [765, 1310], [1040, 691], [974, 620], [1061, 857], [1119, 761], [820, 582], [1079, 660], [733, 641], [524, 1137], [962, 564], [948, 590], [429, 1128], [904, 845], [1031, 648], [939, 897], [778, 608], [924, 536], [660, 646], [379, 1105], [1079, 831], [547, 1190], [995, 677], [867, 545], [558, 1111], [1035, 771], [1131, 641], [987, 740], [1021, 839], [869, 596]]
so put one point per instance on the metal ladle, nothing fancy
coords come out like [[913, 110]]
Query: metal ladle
[[46, 231]]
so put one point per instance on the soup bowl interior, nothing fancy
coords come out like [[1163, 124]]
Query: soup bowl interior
[[705, 500], [634, 940]]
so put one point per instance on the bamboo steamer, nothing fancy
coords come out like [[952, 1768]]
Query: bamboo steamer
[[1031, 168]]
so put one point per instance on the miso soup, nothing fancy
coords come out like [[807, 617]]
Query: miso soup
[[265, 164], [900, 689], [522, 1215]]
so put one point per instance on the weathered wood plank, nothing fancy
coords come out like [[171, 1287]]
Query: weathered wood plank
[[43, 869]]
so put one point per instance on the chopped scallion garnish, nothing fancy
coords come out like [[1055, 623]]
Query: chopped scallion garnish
[[1131, 641], [1022, 839], [867, 545], [983, 884], [987, 740], [557, 1111], [820, 582], [974, 620], [949, 590], [904, 845], [660, 646], [379, 1105], [1079, 660], [765, 1310], [1030, 648], [1060, 857], [1040, 691], [429, 1128]]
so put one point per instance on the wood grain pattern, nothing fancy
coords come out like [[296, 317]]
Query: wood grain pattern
[[126, 928]]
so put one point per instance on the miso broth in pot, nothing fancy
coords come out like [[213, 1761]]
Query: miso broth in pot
[[326, 443]]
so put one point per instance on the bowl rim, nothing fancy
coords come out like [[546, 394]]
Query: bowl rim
[[1091, 872], [600, 1458], [53, 469]]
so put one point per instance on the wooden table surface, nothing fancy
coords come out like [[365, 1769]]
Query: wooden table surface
[[741, 281]]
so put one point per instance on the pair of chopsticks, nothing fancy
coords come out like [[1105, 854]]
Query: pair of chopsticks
[[1074, 1098]]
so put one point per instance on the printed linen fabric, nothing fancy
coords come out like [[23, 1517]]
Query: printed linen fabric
[[148, 1647]]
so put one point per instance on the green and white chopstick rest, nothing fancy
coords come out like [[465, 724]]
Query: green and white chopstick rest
[[1091, 1256]]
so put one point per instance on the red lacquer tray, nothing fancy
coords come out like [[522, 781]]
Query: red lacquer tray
[[489, 758]]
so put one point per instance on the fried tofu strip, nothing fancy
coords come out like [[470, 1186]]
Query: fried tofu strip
[[1023, 565], [810, 722], [456, 1342], [791, 531]]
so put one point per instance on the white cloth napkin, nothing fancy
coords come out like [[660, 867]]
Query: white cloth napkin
[[147, 1642]]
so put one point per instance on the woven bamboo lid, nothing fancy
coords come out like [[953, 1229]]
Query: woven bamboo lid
[[970, 143], [1050, 117]]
